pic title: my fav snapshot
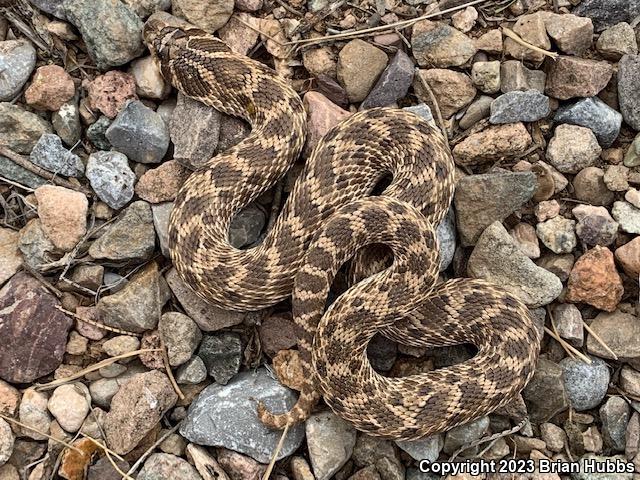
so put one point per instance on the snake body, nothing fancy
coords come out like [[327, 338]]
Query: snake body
[[328, 217]]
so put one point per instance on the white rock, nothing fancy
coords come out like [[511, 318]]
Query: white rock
[[70, 405]]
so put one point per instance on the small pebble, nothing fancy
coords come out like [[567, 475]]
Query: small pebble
[[111, 178]]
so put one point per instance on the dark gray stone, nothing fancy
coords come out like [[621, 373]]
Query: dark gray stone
[[393, 84], [515, 106], [246, 226], [96, 133], [111, 178], [50, 154], [586, 384], [19, 129], [607, 13], [17, 61], [593, 113], [628, 91], [139, 133], [221, 354], [225, 416], [66, 123], [16, 173], [545, 395], [615, 415]]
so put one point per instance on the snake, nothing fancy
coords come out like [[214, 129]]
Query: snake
[[332, 214]]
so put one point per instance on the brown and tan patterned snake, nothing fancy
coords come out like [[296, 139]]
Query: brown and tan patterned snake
[[329, 216]]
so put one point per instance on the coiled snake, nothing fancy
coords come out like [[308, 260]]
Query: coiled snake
[[329, 216]]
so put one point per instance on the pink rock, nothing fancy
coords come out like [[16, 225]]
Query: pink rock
[[240, 37], [322, 115], [628, 255], [162, 184], [63, 215], [109, 92], [570, 77], [50, 88]]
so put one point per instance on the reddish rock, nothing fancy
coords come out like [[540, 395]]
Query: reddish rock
[[86, 329], [569, 77], [63, 215], [629, 257], [109, 92], [150, 341], [33, 331], [594, 280], [9, 400], [454, 90], [162, 184], [278, 332], [532, 29], [322, 116], [492, 143], [50, 88]]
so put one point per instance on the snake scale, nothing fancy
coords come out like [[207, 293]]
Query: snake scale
[[329, 216]]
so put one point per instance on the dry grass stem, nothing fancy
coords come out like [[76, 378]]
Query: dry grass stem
[[516, 38], [27, 427]]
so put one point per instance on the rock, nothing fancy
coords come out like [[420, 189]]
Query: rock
[[102, 469], [594, 280], [617, 41], [246, 226], [50, 88], [33, 413], [111, 31], [49, 154], [136, 308], [96, 133], [240, 467], [477, 210], [558, 234], [570, 77], [486, 76], [221, 353], [525, 236], [330, 441], [36, 248], [446, 233], [225, 415], [111, 178], [554, 437], [606, 13], [69, 404], [33, 348], [515, 76], [619, 331], [164, 465], [162, 184], [181, 336], [427, 448], [464, 20], [120, 345], [6, 443], [569, 323], [77, 344], [109, 93], [139, 133], [593, 113], [359, 66], [586, 384], [380, 454], [18, 174], [241, 38], [63, 215], [149, 80], [531, 28], [590, 187], [161, 213], [615, 415], [10, 256], [616, 178], [320, 61], [393, 84], [195, 129], [595, 225], [633, 197], [632, 157], [130, 237], [208, 317], [423, 111], [144, 8], [465, 434], [490, 42], [573, 148], [136, 409], [17, 60], [628, 94], [277, 332], [572, 34], [492, 143], [627, 216], [209, 15], [193, 371], [628, 256], [436, 44], [322, 116], [630, 380], [19, 129], [498, 259], [478, 110], [454, 90], [513, 107]]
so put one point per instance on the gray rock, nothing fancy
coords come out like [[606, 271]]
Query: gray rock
[[617, 41], [514, 76], [102, 469], [446, 233], [225, 416], [195, 130], [111, 30], [111, 178], [35, 246], [161, 214], [427, 448], [330, 441], [52, 7], [19, 129], [586, 384], [96, 133], [130, 238], [221, 354], [593, 113], [512, 107], [591, 459], [478, 110], [66, 123], [382, 353], [393, 84], [627, 216], [192, 372], [595, 225], [558, 234], [181, 336], [632, 157], [628, 92], [465, 434], [436, 44], [160, 466], [615, 415], [569, 324], [246, 226], [15, 172], [497, 258], [50, 154], [606, 13], [546, 395], [17, 61], [144, 8], [476, 210], [423, 111], [139, 133]]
